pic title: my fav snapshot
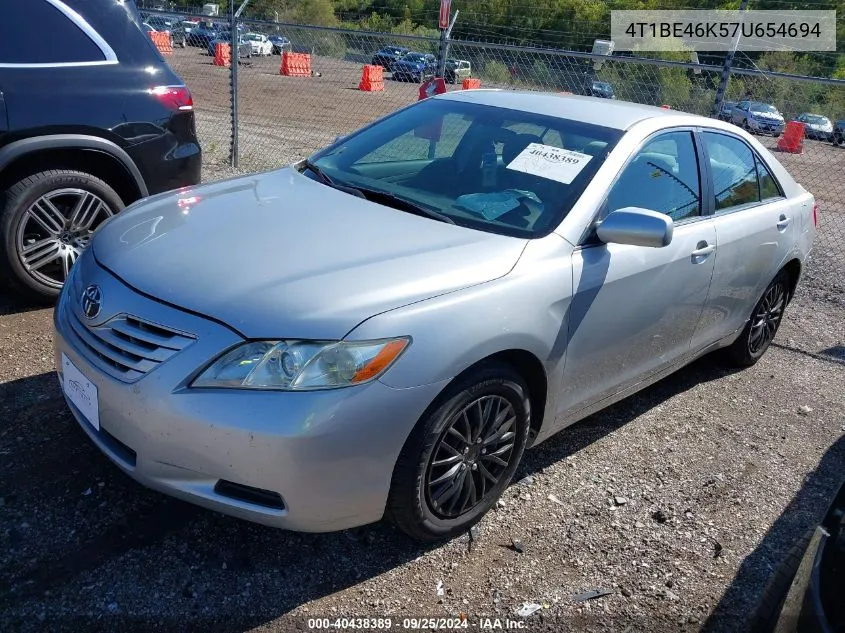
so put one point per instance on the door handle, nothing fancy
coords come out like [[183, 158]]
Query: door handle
[[703, 249], [783, 222]]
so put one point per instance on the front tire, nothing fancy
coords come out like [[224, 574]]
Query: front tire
[[46, 221], [461, 455], [763, 324]]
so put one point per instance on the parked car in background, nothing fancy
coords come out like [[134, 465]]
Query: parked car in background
[[260, 44], [91, 120], [804, 594], [726, 111], [244, 45], [280, 44], [202, 34], [758, 118], [388, 55], [190, 25], [603, 89], [457, 70], [171, 25], [414, 67], [816, 126], [838, 136], [465, 276]]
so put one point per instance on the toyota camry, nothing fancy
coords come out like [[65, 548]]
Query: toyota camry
[[382, 329]]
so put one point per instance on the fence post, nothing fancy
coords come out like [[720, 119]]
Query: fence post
[[443, 51], [233, 77], [726, 69]]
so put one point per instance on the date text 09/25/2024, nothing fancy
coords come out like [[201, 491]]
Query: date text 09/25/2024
[[416, 624]]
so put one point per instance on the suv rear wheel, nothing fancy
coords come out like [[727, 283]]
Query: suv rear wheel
[[46, 221]]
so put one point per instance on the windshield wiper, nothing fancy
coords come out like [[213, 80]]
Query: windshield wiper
[[392, 199], [398, 202], [331, 182]]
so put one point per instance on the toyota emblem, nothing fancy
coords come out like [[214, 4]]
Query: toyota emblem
[[92, 301]]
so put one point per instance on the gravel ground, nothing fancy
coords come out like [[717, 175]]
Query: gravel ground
[[678, 501]]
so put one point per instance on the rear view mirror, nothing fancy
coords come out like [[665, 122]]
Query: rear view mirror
[[637, 227]]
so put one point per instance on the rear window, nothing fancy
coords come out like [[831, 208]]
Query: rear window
[[57, 40]]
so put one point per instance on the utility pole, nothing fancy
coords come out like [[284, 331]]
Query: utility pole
[[445, 33], [729, 59]]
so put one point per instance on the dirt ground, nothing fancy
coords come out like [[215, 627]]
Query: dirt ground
[[679, 501]]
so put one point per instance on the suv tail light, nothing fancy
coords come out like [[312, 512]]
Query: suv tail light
[[815, 214], [174, 97]]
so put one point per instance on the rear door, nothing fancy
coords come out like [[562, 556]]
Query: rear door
[[755, 230]]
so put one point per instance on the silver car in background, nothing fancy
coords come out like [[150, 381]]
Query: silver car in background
[[816, 126], [382, 329], [758, 118]]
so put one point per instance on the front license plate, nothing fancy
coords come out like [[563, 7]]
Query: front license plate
[[81, 392]]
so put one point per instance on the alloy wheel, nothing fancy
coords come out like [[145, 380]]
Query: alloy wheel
[[471, 456], [55, 230], [765, 322]]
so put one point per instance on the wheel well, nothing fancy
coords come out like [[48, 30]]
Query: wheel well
[[90, 161], [793, 269], [531, 369]]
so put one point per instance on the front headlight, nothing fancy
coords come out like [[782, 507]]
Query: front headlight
[[293, 365]]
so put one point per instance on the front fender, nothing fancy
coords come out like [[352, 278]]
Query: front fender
[[525, 310]]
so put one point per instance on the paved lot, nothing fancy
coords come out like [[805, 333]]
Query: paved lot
[[719, 472]]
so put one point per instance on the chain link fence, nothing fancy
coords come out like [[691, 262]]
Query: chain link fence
[[284, 118]]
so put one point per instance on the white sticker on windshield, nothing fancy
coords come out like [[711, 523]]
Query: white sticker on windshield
[[550, 162]]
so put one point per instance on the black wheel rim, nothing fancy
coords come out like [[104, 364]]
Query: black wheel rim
[[766, 319], [471, 456]]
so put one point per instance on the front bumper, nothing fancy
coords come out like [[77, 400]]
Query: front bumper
[[766, 126], [328, 456]]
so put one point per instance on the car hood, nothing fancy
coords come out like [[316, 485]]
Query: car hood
[[280, 255], [767, 115]]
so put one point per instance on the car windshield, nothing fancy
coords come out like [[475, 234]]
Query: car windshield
[[253, 37], [763, 108], [494, 169], [817, 119], [414, 57]]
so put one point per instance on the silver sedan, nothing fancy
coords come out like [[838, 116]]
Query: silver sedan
[[383, 329]]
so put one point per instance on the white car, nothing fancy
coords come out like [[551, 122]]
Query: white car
[[259, 43]]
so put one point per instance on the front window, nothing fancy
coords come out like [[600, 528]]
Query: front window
[[415, 58], [493, 169], [816, 119], [252, 37], [663, 176]]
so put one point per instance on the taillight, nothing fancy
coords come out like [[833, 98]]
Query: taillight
[[174, 97], [815, 214]]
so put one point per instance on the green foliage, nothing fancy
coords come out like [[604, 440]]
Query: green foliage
[[329, 45], [495, 72]]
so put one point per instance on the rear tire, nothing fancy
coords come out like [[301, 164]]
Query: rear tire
[[762, 325], [40, 273], [458, 435]]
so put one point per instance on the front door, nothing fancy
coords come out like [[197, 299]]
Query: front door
[[635, 309]]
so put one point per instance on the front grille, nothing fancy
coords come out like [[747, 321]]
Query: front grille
[[127, 347]]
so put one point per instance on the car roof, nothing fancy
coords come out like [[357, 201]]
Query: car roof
[[620, 115]]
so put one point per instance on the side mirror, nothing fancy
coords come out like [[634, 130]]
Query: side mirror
[[637, 227]]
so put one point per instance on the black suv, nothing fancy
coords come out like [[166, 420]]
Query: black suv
[[91, 119]]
